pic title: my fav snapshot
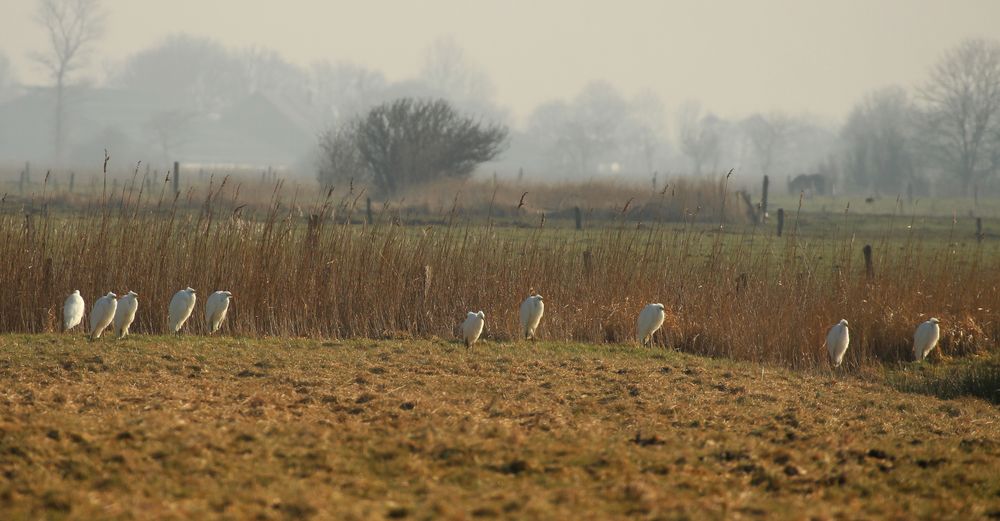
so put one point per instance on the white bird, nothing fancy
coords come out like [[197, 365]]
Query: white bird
[[125, 313], [650, 320], [102, 314], [531, 314], [181, 307], [473, 327], [925, 338], [215, 309], [73, 310], [836, 342]]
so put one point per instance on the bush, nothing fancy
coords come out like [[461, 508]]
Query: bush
[[407, 142]]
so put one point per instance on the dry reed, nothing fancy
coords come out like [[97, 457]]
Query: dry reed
[[303, 266]]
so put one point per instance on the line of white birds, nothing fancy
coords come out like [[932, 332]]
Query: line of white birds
[[120, 312], [533, 307], [651, 318], [925, 338]]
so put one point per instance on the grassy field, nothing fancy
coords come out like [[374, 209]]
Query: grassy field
[[192, 427]]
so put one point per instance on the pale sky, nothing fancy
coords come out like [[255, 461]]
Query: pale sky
[[736, 57]]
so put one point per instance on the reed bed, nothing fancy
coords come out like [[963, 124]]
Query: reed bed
[[310, 266]]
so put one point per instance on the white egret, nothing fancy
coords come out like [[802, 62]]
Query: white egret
[[102, 314], [73, 310], [473, 327], [925, 338], [650, 320], [125, 313], [531, 314], [181, 307], [836, 342], [215, 309]]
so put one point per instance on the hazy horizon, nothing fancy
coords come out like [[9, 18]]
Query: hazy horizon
[[734, 57]]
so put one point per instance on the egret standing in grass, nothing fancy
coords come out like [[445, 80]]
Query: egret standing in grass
[[125, 313], [531, 314], [472, 327], [836, 342], [925, 338], [102, 314], [181, 307], [650, 320], [215, 309], [73, 311]]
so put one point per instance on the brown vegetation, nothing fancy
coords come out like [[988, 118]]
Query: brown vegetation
[[157, 428], [312, 268]]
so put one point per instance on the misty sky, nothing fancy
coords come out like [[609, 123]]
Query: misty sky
[[736, 57]]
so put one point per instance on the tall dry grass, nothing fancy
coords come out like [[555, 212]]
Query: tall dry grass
[[679, 199], [298, 266]]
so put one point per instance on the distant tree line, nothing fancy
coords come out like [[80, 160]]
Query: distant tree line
[[943, 135]]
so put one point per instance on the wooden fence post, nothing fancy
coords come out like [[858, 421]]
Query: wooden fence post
[[781, 220], [763, 201], [177, 178], [578, 217], [979, 229], [869, 268]]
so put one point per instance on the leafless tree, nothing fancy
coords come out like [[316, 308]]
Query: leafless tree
[[344, 90], [169, 130], [701, 137], [266, 71], [767, 135], [552, 131], [646, 132], [879, 141], [187, 71], [340, 159], [407, 142], [447, 69], [579, 135], [72, 26], [962, 101]]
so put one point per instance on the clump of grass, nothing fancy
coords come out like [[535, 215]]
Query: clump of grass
[[978, 377]]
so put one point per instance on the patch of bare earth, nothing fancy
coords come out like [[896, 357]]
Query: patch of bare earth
[[155, 428]]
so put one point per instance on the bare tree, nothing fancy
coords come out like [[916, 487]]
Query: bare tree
[[187, 71], [267, 71], [344, 90], [447, 69], [450, 73], [72, 26], [768, 136], [879, 141], [599, 113], [701, 137], [340, 159], [169, 130], [551, 129], [407, 142], [577, 136], [646, 128], [962, 100]]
